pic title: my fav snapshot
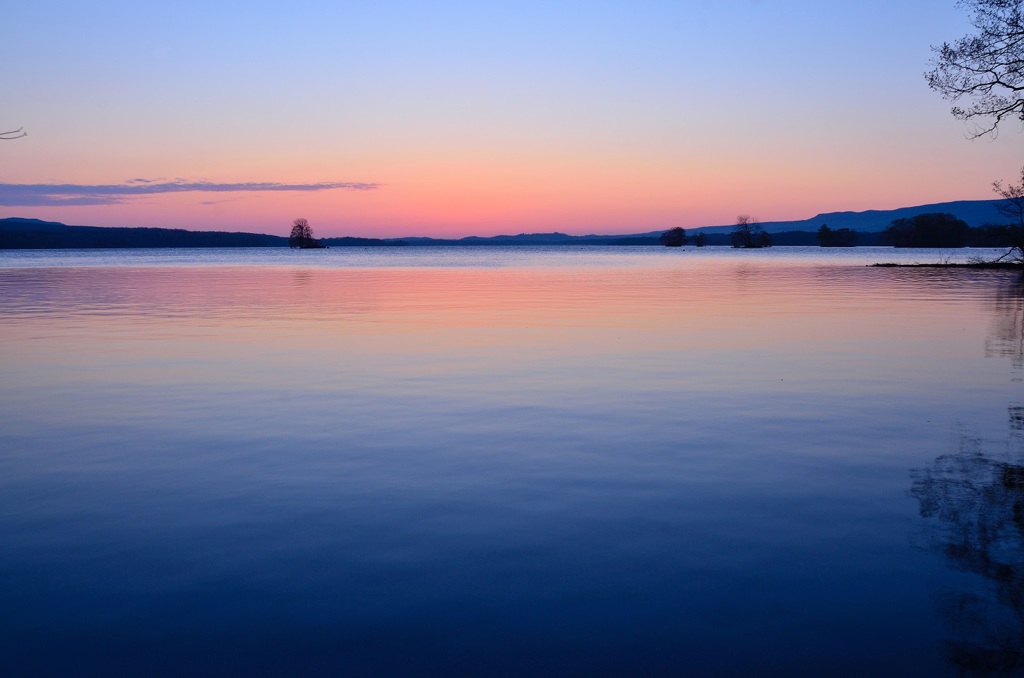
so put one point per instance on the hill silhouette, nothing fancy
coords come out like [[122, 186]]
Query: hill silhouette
[[975, 213]]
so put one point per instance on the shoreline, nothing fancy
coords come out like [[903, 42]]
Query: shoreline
[[991, 265]]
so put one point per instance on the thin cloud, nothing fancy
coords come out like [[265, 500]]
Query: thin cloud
[[57, 195]]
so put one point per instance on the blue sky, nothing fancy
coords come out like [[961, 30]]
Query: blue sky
[[490, 116]]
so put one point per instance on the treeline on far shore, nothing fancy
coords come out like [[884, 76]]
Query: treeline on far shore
[[982, 236], [36, 234], [926, 230], [939, 230]]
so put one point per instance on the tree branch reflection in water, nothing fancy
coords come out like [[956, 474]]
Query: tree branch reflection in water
[[973, 505]]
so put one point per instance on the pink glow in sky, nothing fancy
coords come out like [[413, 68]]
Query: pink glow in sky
[[484, 118]]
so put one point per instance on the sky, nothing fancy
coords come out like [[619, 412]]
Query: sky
[[394, 118]]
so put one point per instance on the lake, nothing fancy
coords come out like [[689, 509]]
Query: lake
[[510, 461]]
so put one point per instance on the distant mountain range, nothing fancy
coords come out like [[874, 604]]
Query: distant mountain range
[[21, 233], [974, 212]]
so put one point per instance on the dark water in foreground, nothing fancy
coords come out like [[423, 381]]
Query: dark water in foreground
[[511, 462]]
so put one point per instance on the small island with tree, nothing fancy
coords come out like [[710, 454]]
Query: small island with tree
[[302, 237], [675, 237], [749, 234]]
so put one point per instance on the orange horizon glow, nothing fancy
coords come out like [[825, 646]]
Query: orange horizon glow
[[496, 121]]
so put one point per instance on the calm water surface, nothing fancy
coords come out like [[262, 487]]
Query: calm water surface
[[593, 461]]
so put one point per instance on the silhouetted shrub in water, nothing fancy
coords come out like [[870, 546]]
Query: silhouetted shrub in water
[[674, 238]]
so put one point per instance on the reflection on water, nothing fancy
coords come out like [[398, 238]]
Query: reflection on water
[[973, 504], [588, 463], [1007, 337], [472, 257], [974, 501]]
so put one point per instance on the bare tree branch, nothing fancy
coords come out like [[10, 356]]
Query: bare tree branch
[[986, 70], [13, 134], [1012, 207]]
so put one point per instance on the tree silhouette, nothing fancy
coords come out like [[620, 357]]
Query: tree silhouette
[[674, 238], [985, 68], [844, 237], [302, 236], [1012, 207], [936, 229], [749, 234]]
